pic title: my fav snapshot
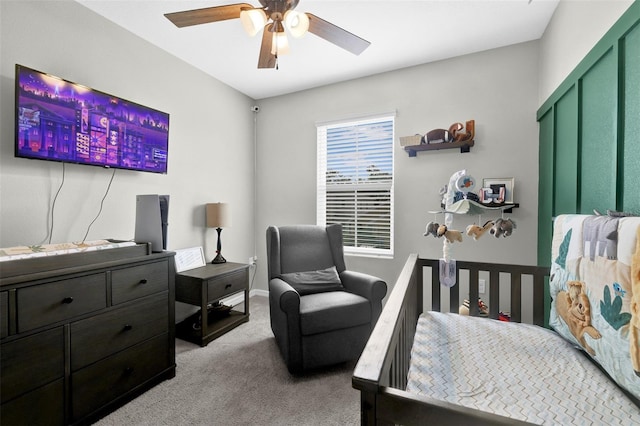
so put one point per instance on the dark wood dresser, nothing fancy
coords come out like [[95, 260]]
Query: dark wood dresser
[[84, 333]]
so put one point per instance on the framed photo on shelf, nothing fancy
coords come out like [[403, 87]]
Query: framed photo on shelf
[[497, 191]]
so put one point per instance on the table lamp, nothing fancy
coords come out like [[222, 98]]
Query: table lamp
[[218, 217]]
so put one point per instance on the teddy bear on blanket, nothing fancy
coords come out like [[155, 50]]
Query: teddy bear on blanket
[[574, 308]]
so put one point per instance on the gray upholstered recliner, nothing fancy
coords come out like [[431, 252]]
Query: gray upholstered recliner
[[321, 314]]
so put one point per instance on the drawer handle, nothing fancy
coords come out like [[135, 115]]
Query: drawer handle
[[67, 300], [128, 327], [227, 286], [143, 281]]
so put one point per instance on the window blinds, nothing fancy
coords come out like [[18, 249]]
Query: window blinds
[[355, 182]]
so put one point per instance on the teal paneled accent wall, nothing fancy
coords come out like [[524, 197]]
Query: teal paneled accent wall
[[590, 133], [630, 193]]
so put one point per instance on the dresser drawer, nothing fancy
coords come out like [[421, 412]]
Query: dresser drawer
[[4, 314], [57, 301], [30, 362], [43, 406], [139, 281], [225, 285], [102, 335], [104, 381]]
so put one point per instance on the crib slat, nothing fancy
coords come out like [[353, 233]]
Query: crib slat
[[516, 297], [435, 289], [538, 299], [454, 294], [473, 292], [494, 292]]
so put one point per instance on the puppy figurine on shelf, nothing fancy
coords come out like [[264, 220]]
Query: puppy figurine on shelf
[[476, 231], [450, 234]]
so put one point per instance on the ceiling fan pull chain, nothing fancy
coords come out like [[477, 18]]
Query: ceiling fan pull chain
[[276, 55]]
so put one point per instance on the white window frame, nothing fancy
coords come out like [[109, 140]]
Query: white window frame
[[358, 163]]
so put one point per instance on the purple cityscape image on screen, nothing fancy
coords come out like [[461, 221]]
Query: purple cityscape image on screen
[[63, 121]]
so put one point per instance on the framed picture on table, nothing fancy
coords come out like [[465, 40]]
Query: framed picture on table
[[497, 191]]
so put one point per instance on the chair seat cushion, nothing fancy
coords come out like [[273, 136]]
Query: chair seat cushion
[[322, 312]]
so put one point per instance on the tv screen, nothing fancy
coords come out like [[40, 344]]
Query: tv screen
[[63, 121]]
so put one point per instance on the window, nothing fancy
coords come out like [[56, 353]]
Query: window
[[355, 183]]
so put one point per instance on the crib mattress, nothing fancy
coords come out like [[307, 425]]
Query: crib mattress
[[515, 370]]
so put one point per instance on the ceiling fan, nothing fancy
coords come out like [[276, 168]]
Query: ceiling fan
[[274, 16]]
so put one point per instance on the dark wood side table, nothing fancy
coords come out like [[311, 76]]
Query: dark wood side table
[[204, 286]]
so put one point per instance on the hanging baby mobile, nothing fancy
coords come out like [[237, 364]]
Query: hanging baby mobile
[[458, 198]]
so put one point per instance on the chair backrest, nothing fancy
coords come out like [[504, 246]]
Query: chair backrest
[[299, 248]]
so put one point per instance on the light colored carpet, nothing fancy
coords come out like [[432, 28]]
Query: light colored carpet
[[240, 379]]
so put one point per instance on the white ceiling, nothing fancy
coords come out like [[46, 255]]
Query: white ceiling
[[402, 34]]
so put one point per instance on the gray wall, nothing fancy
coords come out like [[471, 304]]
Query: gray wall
[[497, 88], [210, 140]]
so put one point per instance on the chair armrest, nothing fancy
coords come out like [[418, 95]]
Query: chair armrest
[[284, 309], [285, 296], [373, 288]]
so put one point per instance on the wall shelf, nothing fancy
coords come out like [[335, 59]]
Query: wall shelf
[[472, 207], [464, 146]]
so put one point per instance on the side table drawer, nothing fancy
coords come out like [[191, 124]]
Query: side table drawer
[[220, 287], [102, 382], [48, 303], [102, 335], [30, 362], [139, 281]]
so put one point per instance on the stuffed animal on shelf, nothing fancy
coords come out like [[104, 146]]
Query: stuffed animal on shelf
[[476, 231], [450, 234], [502, 227], [431, 229]]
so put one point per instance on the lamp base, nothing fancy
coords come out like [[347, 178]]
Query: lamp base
[[219, 259]]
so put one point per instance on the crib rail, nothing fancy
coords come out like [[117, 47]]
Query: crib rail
[[381, 372]]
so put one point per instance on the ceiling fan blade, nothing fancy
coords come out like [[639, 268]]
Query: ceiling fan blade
[[267, 59], [207, 14], [336, 35]]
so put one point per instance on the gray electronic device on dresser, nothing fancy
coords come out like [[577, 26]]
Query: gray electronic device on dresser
[[84, 333]]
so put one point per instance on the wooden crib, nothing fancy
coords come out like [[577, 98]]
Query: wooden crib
[[381, 372]]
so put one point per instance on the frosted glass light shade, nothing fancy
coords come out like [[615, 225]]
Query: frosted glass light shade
[[253, 20], [280, 44], [218, 215], [296, 22]]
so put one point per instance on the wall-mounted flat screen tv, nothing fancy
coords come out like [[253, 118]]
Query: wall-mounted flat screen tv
[[63, 121]]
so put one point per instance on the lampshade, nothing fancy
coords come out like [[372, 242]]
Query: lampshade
[[297, 23], [218, 215], [280, 44], [253, 20]]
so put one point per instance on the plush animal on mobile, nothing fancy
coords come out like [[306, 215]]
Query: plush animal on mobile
[[431, 229], [450, 234], [634, 329], [476, 231], [574, 308], [502, 227]]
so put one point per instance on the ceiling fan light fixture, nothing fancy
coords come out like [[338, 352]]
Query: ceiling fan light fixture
[[280, 44], [253, 20], [297, 23]]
